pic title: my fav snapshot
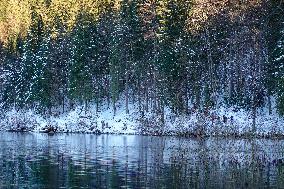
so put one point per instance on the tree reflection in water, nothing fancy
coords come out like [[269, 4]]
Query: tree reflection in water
[[110, 161]]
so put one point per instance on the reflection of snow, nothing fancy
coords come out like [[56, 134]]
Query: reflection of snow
[[151, 158]]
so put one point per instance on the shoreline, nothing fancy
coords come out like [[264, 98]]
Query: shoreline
[[238, 123], [248, 136]]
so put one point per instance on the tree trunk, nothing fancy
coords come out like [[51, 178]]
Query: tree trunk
[[107, 91], [114, 107], [126, 93], [86, 106], [139, 96], [254, 119], [147, 99], [63, 103], [97, 105], [269, 105]]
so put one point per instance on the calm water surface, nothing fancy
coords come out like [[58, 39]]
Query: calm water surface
[[110, 161]]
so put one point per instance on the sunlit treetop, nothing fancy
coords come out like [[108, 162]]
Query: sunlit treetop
[[15, 15], [16, 19], [204, 11]]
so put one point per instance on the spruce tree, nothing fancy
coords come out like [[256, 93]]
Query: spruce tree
[[83, 59], [279, 73], [133, 41], [172, 64], [115, 61], [274, 39], [42, 81]]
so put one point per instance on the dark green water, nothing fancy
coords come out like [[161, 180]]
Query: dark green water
[[109, 161]]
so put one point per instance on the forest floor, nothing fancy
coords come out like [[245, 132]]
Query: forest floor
[[222, 122]]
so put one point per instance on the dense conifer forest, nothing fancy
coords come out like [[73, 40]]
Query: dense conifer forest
[[187, 55]]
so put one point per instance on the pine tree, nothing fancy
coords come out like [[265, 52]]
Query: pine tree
[[29, 70], [10, 77], [106, 44], [83, 59], [115, 61], [43, 93], [274, 39], [279, 74], [172, 63], [26, 75], [133, 41], [59, 67]]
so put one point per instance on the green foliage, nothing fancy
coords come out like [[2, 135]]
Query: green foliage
[[83, 59], [115, 70], [173, 59], [279, 74], [274, 46], [107, 49]]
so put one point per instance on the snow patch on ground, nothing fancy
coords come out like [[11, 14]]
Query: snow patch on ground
[[224, 121], [77, 120]]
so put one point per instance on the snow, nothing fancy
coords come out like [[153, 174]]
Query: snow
[[77, 120], [222, 121]]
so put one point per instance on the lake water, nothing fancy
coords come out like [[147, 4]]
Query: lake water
[[118, 161]]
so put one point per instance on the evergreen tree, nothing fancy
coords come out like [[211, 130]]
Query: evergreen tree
[[115, 61], [10, 77], [279, 74], [274, 39], [106, 45], [26, 76], [28, 71], [59, 66], [133, 42], [83, 59], [42, 82], [173, 66]]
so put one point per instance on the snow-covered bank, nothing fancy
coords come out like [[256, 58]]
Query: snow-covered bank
[[224, 121], [77, 120]]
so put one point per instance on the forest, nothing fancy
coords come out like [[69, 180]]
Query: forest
[[186, 55]]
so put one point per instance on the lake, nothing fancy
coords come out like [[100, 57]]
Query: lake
[[31, 160]]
